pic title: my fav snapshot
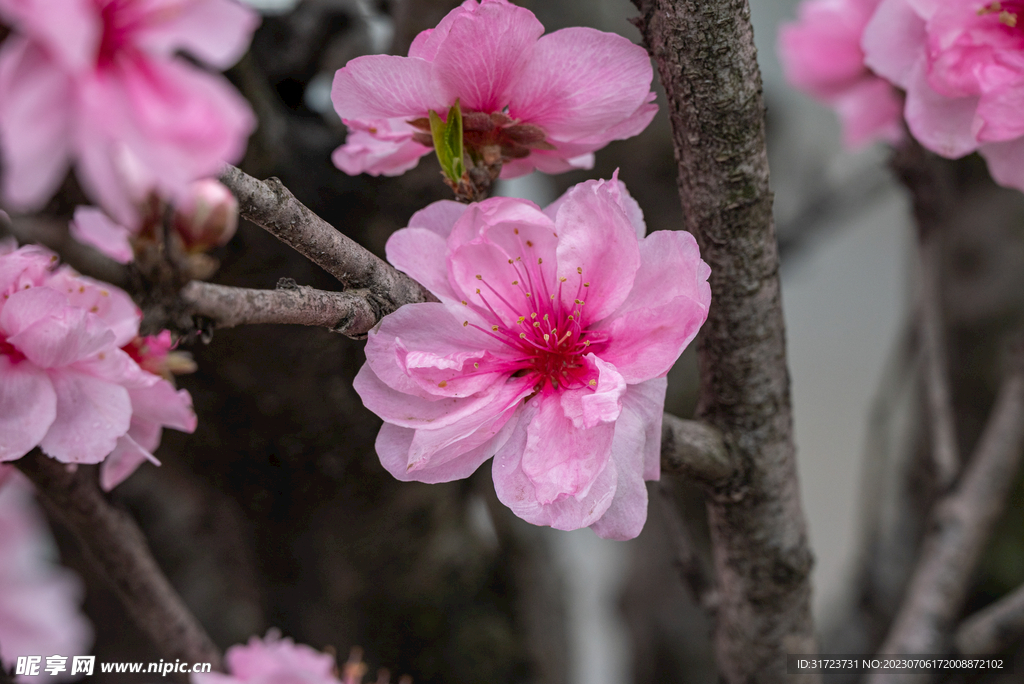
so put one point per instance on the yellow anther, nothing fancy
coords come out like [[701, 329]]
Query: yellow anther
[[552, 297], [443, 383], [465, 303], [529, 294], [476, 365], [561, 280], [510, 261], [521, 319], [533, 315], [570, 317], [1008, 19], [593, 383], [539, 260], [579, 269], [536, 324], [479, 277], [586, 284], [516, 231], [545, 317], [547, 337], [515, 282], [578, 301], [465, 323], [529, 243], [586, 343], [522, 336], [494, 328]]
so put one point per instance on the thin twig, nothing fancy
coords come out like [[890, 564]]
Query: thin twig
[[708, 65], [349, 313], [273, 207], [113, 540], [695, 574], [993, 628], [925, 177], [695, 450], [962, 523]]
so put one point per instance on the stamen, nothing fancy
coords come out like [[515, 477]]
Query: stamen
[[579, 269], [465, 303], [494, 328], [562, 279], [479, 277], [443, 383], [529, 243], [515, 282], [593, 383], [521, 319], [539, 260]]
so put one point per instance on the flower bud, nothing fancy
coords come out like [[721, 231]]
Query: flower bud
[[207, 216]]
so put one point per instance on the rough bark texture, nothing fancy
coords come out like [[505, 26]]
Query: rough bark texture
[[117, 546], [962, 524], [270, 205], [349, 313], [707, 62]]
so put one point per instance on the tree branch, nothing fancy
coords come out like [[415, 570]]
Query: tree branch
[[707, 61], [273, 207], [993, 628], [695, 450], [113, 540], [922, 173], [962, 523], [350, 313]]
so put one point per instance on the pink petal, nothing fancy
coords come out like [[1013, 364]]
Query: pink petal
[[1000, 113], [895, 41], [626, 202], [427, 42], [519, 493], [871, 110], [35, 124], [595, 237], [124, 460], [589, 407], [162, 404], [1005, 162], [216, 32], [483, 55], [58, 337], [458, 461], [92, 227], [668, 304], [821, 52], [439, 216], [581, 82], [560, 459], [496, 211], [627, 514], [110, 304], [26, 266], [422, 254], [380, 148], [385, 87], [274, 659], [28, 406], [409, 411], [91, 415], [69, 30], [428, 336], [943, 125]]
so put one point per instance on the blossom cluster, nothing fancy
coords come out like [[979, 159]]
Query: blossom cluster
[[76, 380], [957, 64], [100, 83]]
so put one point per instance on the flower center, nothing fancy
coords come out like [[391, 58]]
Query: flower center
[[490, 138], [549, 338], [1007, 13], [120, 19]]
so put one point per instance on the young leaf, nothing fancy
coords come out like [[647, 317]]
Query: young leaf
[[447, 137]]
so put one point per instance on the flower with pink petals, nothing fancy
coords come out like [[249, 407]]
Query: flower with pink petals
[[273, 660], [39, 601], [528, 100], [548, 350], [98, 83], [821, 55], [961, 63], [66, 383]]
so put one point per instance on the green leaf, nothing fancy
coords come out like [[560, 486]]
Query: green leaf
[[447, 137]]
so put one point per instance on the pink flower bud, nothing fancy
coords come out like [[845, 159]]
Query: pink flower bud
[[207, 217]]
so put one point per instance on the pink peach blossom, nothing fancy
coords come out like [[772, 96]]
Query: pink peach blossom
[[961, 63], [547, 101], [66, 384], [548, 350], [821, 55], [39, 601], [97, 83], [273, 660]]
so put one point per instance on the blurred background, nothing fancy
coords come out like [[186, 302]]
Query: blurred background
[[276, 512]]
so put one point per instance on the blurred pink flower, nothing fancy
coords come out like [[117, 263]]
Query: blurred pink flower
[[273, 660], [39, 601], [66, 384], [961, 63], [98, 83], [548, 350], [821, 55], [548, 102]]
